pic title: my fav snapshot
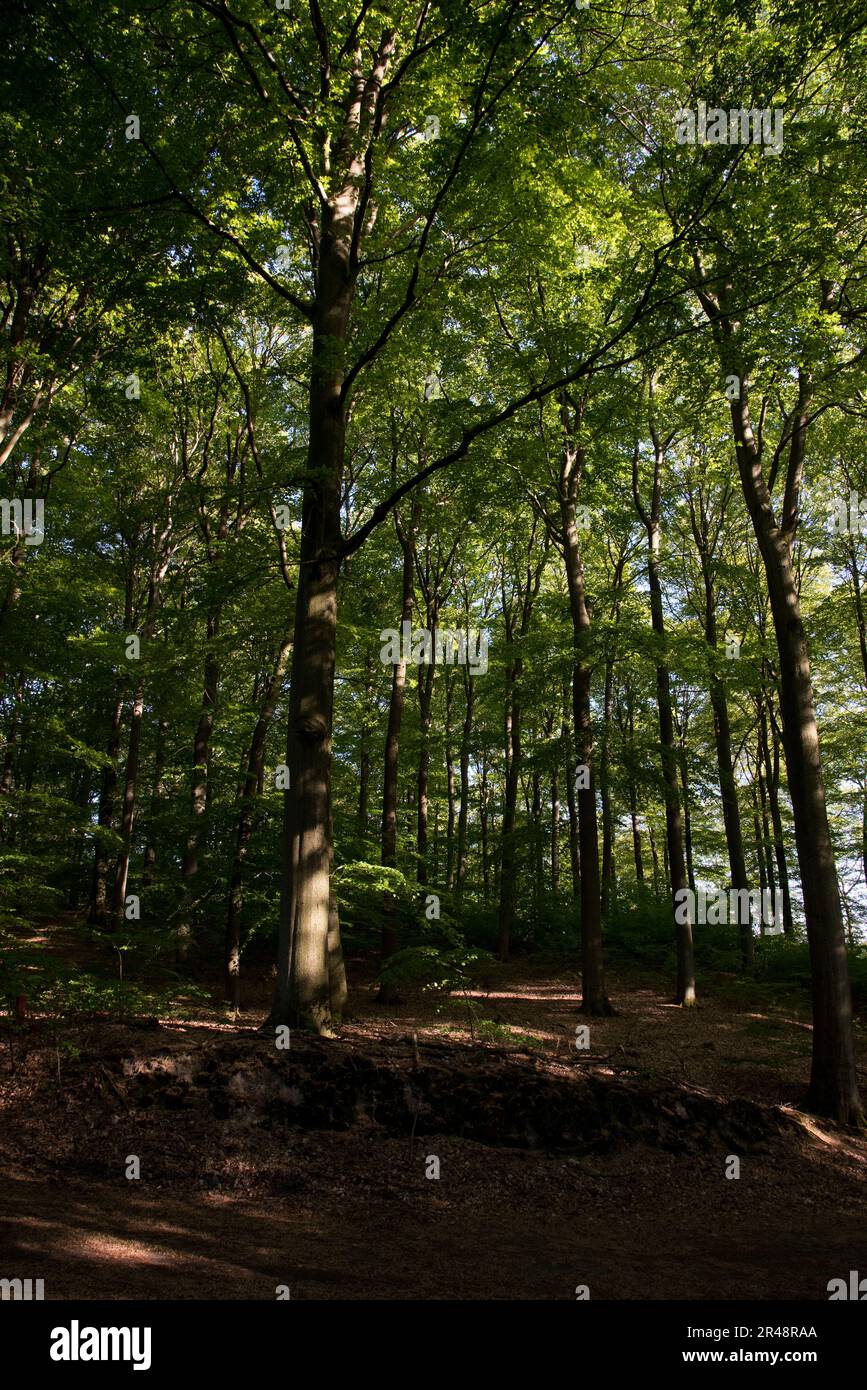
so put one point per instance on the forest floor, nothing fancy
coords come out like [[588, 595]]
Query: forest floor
[[308, 1167]]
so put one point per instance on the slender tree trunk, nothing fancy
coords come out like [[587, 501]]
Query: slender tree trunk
[[685, 990], [608, 868], [363, 793], [244, 828], [150, 854], [858, 601], [594, 995], [425, 703], [538, 854], [463, 815], [636, 838], [767, 847], [450, 791], [15, 559], [16, 722], [574, 844], [391, 762], [633, 805], [483, 815], [731, 810], [508, 837], [99, 913], [338, 991], [134, 753], [199, 785], [722, 728], [436, 842], [687, 815], [81, 798], [128, 804], [833, 1085], [760, 849], [364, 755], [772, 776], [555, 831], [654, 859]]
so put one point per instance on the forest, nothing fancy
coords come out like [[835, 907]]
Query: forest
[[433, 649]]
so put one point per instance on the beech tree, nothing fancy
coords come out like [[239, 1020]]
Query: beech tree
[[337, 319]]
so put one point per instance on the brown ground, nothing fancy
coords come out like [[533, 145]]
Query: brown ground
[[306, 1168]]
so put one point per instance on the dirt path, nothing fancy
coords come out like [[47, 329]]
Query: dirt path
[[235, 1199], [478, 1240]]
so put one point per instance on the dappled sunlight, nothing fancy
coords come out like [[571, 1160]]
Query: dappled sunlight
[[173, 1024], [520, 996]]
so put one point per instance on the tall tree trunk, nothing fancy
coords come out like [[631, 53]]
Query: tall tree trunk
[[858, 601], [450, 790], [436, 842], [244, 827], [760, 848], [302, 995], [391, 762], [574, 844], [731, 808], [706, 540], [99, 913], [555, 830], [685, 990], [594, 998], [833, 1085], [772, 776], [150, 854], [654, 856], [338, 991], [363, 793], [687, 815], [425, 704], [608, 870], [199, 785], [307, 948], [767, 847], [833, 1081], [508, 837], [538, 853], [636, 836], [128, 804], [364, 755], [483, 816], [633, 806], [463, 815], [16, 722]]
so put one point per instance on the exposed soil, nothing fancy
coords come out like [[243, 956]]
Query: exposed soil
[[308, 1167]]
